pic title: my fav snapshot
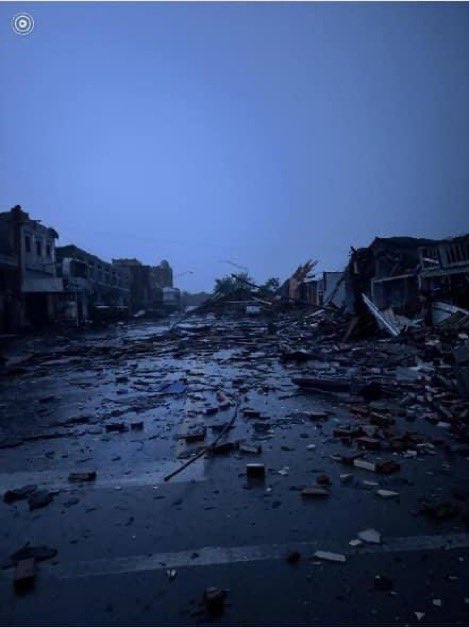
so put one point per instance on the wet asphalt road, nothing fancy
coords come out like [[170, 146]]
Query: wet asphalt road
[[118, 536]]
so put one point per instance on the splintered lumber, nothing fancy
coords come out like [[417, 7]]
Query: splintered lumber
[[206, 448]]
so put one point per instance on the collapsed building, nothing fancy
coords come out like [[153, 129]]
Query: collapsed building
[[394, 285], [413, 277], [444, 272]]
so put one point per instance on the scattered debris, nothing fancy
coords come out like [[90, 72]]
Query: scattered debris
[[323, 479], [116, 427], [387, 467], [39, 553], [370, 536], [255, 471], [378, 383], [25, 575], [250, 449], [439, 511], [383, 583], [261, 427], [251, 413], [39, 499], [214, 600], [364, 465], [387, 494], [195, 435], [325, 384], [313, 492], [293, 557], [223, 448], [383, 321], [355, 542], [371, 444], [176, 388], [329, 557], [317, 415], [171, 574], [19, 494], [82, 476]]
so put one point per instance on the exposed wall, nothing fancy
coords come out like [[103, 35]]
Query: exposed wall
[[330, 281]]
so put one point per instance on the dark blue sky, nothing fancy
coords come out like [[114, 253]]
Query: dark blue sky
[[263, 134]]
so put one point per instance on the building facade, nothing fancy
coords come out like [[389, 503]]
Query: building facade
[[142, 290], [162, 275], [28, 282], [41, 283], [89, 284], [444, 273], [150, 286]]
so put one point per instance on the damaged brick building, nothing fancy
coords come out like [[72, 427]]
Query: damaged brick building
[[28, 284]]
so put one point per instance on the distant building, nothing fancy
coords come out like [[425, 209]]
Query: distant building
[[74, 306], [90, 282], [148, 285], [40, 283], [28, 282], [171, 298], [142, 289], [162, 275]]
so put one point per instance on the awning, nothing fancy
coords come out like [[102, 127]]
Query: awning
[[49, 285]]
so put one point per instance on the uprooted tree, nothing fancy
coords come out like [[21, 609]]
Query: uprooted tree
[[270, 286], [230, 282], [233, 282]]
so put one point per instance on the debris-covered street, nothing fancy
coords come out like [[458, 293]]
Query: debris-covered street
[[326, 481], [234, 313]]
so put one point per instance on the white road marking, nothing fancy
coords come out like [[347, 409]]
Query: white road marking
[[141, 475], [214, 556]]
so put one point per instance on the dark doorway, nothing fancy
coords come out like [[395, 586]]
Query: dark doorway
[[36, 309]]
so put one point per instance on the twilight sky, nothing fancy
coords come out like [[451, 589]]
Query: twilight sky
[[262, 134]]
